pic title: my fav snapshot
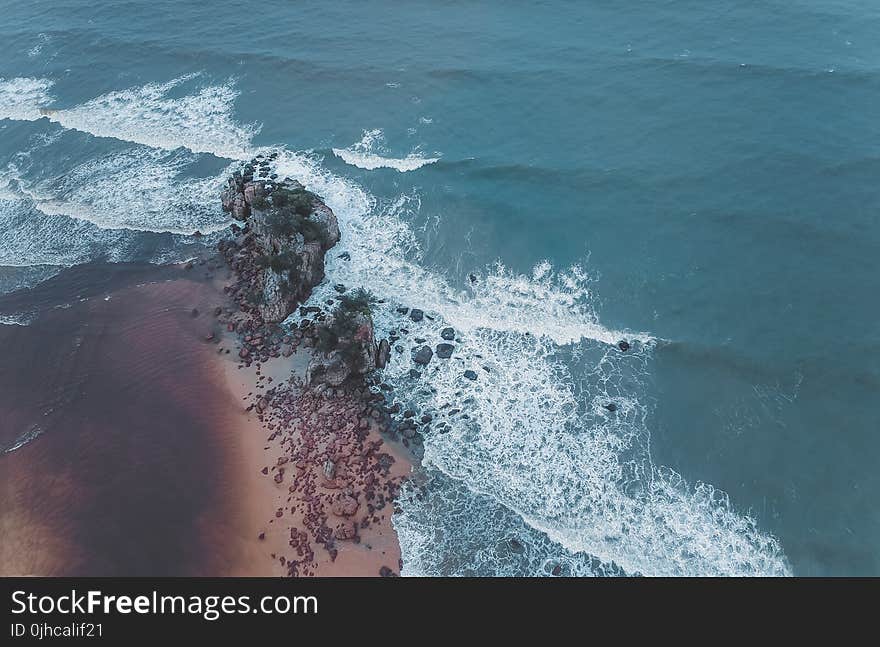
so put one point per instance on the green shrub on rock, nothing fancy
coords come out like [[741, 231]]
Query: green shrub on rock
[[344, 323]]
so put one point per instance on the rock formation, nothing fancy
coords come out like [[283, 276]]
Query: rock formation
[[346, 346], [287, 232]]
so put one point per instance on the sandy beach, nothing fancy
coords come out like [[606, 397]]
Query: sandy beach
[[141, 446]]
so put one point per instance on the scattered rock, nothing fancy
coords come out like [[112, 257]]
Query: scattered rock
[[423, 355], [386, 572], [444, 351], [346, 530], [448, 334], [471, 375], [623, 345], [345, 506], [416, 314]]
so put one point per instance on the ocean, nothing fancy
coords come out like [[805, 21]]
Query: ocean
[[698, 179]]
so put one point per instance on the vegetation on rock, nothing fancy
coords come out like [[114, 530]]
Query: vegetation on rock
[[351, 311]]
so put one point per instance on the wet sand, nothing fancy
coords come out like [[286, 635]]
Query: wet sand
[[144, 458]]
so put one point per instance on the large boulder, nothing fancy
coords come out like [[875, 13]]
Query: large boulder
[[351, 355], [288, 243]]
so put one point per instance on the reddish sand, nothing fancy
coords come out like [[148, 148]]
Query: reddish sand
[[148, 461], [378, 543]]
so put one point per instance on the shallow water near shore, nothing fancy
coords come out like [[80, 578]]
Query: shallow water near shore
[[695, 179]]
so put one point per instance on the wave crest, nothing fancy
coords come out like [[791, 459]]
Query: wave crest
[[362, 155]]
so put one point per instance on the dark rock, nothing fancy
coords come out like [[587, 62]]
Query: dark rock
[[416, 314], [444, 351], [413, 373], [623, 346], [383, 354], [611, 406], [471, 375], [339, 288], [346, 530], [448, 334], [403, 310], [423, 355]]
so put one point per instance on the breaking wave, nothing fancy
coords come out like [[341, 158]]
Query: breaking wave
[[362, 154], [531, 449], [23, 98]]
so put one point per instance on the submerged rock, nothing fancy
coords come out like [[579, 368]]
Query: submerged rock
[[423, 355], [471, 375], [444, 351]]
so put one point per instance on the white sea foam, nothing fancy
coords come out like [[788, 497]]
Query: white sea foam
[[446, 529], [31, 434], [535, 441], [363, 155], [139, 189], [31, 237], [201, 121], [22, 98], [15, 320]]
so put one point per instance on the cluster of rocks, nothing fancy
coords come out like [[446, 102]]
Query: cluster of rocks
[[277, 263], [424, 353], [337, 474], [355, 356]]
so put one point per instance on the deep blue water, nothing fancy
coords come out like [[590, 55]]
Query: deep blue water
[[710, 171]]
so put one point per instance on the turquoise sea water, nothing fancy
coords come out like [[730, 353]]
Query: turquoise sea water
[[699, 178]]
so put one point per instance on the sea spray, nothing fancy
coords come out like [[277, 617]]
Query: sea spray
[[364, 155], [529, 439]]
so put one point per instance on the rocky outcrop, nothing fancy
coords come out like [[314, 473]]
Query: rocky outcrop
[[287, 231], [340, 357]]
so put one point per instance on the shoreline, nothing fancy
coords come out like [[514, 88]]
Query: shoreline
[[158, 408], [266, 440]]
